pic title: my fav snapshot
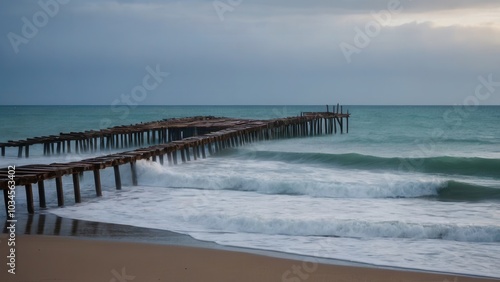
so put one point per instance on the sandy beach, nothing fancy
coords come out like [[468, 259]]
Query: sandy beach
[[56, 258]]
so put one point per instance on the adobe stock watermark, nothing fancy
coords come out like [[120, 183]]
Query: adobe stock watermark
[[309, 265], [121, 276], [298, 273], [222, 7], [150, 82], [363, 37], [30, 28], [483, 91], [453, 117]]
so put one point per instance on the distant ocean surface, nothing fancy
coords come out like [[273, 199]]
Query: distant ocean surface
[[409, 186]]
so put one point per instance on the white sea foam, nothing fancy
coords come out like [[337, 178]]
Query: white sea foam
[[303, 225], [280, 204], [269, 177]]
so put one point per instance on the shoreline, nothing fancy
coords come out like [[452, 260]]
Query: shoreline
[[50, 232]]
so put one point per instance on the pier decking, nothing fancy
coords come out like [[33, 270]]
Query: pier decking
[[187, 138]]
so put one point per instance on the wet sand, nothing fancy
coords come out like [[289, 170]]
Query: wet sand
[[60, 249], [56, 258]]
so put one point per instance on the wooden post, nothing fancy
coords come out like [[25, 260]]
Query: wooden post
[[187, 153], [60, 193], [183, 155], [203, 151], [97, 181], [27, 151], [41, 194], [160, 156], [198, 149], [195, 152], [3, 151], [76, 188], [29, 198], [169, 157], [58, 148], [218, 146], [20, 151], [134, 173], [118, 180], [127, 140], [210, 147], [175, 156], [347, 125]]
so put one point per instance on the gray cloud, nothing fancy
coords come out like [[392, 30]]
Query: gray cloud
[[262, 53]]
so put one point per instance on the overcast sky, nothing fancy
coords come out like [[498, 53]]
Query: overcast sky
[[99, 52]]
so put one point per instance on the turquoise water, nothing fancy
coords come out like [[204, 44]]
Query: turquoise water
[[409, 186]]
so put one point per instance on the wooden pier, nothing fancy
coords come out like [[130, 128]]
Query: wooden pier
[[172, 141], [118, 137]]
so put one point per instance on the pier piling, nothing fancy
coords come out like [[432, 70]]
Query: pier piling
[[41, 194], [97, 181], [134, 173], [29, 198], [118, 181], [60, 192], [76, 187]]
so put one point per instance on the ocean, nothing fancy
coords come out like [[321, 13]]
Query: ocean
[[409, 186]]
